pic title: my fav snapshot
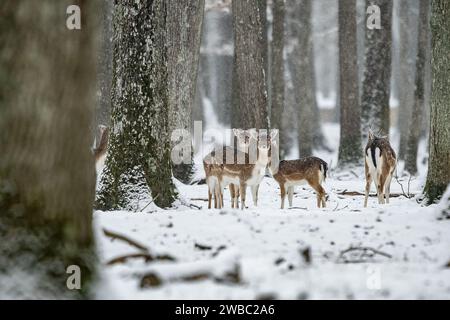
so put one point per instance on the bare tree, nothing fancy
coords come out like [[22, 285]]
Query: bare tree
[[184, 28], [419, 106], [249, 83], [138, 160], [350, 115], [47, 179], [439, 162], [302, 72], [377, 73], [277, 72]]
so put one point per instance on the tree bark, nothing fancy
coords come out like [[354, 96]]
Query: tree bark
[[377, 74], [184, 29], [439, 161], [350, 115], [47, 179], [419, 91], [277, 73], [138, 161], [249, 76], [302, 72]]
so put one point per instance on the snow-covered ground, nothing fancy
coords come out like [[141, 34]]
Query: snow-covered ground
[[266, 252]]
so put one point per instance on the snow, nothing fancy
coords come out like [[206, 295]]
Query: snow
[[286, 254]]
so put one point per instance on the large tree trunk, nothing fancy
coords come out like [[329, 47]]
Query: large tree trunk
[[350, 115], [249, 64], [377, 74], [439, 162], [47, 179], [419, 91], [184, 26], [406, 73], [302, 72], [138, 160], [277, 73]]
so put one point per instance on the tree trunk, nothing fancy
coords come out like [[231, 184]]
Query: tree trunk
[[277, 73], [138, 160], [419, 91], [184, 28], [406, 72], [249, 75], [350, 115], [377, 74], [439, 162], [105, 66], [47, 179], [302, 72]]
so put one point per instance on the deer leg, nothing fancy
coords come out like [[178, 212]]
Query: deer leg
[[368, 183], [290, 195], [387, 187], [255, 194], [381, 186], [232, 194], [283, 194], [209, 197], [320, 196], [242, 191]]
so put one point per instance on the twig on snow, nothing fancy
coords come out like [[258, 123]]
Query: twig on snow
[[114, 235]]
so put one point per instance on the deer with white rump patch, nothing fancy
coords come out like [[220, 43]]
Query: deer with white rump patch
[[309, 170], [380, 163]]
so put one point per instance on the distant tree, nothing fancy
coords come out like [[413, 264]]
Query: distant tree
[[302, 72], [47, 178], [350, 115], [277, 72], [138, 160], [184, 28], [249, 83], [407, 64], [419, 91], [377, 73], [439, 162]]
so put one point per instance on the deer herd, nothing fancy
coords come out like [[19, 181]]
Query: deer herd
[[255, 153]]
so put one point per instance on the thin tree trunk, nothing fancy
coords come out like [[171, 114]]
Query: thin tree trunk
[[439, 162], [184, 28], [277, 72], [377, 74], [406, 74], [47, 179], [250, 102], [419, 91], [138, 161], [350, 115], [301, 69]]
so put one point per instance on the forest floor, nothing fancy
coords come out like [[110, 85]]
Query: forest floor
[[395, 251]]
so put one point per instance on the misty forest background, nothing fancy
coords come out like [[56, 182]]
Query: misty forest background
[[150, 67]]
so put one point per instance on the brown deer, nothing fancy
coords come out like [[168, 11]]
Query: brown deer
[[310, 170], [250, 172], [380, 163], [101, 147]]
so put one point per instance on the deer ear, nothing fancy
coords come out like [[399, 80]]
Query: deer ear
[[253, 133], [274, 134], [371, 135]]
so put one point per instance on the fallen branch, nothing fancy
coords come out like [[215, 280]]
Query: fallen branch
[[121, 237], [199, 199], [356, 193], [150, 202], [146, 256], [361, 254]]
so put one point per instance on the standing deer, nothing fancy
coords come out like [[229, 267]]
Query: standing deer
[[380, 163], [101, 148], [310, 170], [213, 172]]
